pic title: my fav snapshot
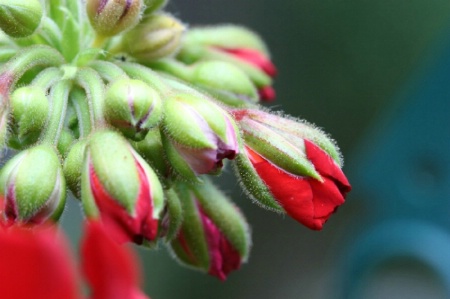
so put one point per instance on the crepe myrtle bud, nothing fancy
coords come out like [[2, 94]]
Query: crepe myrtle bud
[[29, 110], [20, 18], [225, 81], [110, 17], [133, 107], [197, 135], [214, 236], [290, 166], [32, 187], [120, 189], [156, 36]]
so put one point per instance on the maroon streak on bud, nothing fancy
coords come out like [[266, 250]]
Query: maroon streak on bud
[[124, 226], [267, 93]]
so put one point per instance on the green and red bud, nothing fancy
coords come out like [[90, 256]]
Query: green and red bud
[[225, 82], [198, 141], [110, 17], [29, 109], [214, 236], [119, 188], [20, 18], [156, 36], [32, 187], [133, 107], [290, 166], [236, 45]]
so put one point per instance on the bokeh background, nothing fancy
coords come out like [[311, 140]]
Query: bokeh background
[[343, 65]]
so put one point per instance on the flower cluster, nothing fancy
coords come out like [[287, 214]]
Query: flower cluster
[[129, 109]]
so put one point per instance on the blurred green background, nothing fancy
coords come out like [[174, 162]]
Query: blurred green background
[[340, 62]]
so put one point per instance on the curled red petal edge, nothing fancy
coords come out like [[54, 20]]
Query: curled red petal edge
[[253, 57]]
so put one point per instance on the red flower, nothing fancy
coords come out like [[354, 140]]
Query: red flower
[[36, 263], [307, 200], [110, 269]]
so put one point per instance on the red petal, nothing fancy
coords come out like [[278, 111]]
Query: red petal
[[308, 201], [36, 264], [326, 166], [110, 269], [254, 57], [267, 93]]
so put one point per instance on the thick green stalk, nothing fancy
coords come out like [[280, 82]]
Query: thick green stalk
[[85, 118], [95, 90], [145, 74], [58, 97], [108, 70], [47, 77]]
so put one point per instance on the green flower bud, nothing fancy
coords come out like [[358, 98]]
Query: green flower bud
[[133, 107], [20, 18], [73, 165], [110, 17], [29, 109], [226, 82], [32, 187], [65, 142], [157, 36]]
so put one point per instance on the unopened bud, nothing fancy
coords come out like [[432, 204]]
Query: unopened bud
[[157, 36], [133, 107], [73, 166], [30, 108], [197, 135], [32, 187], [20, 18], [110, 17]]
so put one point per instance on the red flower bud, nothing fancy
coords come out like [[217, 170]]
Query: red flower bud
[[291, 167], [254, 57], [214, 236], [307, 200], [121, 189]]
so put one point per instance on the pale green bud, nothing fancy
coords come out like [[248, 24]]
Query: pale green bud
[[29, 109], [133, 107], [20, 18], [110, 17], [157, 36], [33, 186]]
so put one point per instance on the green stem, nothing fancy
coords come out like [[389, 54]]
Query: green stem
[[28, 58], [58, 97], [145, 74], [108, 70], [47, 77], [173, 67], [84, 115], [95, 90]]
